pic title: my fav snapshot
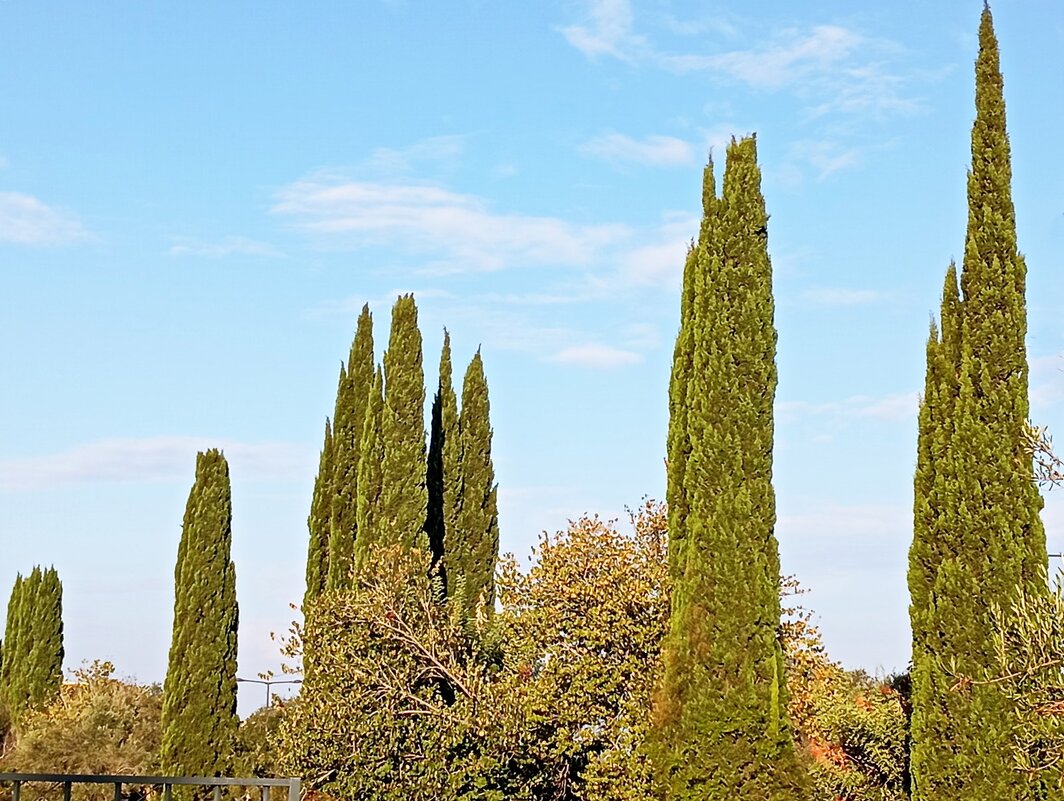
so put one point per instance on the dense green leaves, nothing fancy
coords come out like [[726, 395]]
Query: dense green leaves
[[473, 548], [199, 696], [404, 494], [318, 522], [32, 668], [977, 535], [721, 729], [352, 398]]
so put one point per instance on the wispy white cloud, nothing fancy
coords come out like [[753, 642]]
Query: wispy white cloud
[[229, 246], [606, 30], [660, 260], [150, 459], [601, 357], [831, 68], [461, 231], [841, 296], [792, 56], [26, 220], [403, 159], [895, 407], [656, 150]]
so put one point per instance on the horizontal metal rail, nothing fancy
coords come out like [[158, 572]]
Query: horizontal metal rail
[[16, 780]]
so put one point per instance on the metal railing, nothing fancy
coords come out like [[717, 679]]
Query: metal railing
[[67, 780]]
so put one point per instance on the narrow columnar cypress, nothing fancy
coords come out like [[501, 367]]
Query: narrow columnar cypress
[[404, 494], [444, 479], [678, 447], [44, 670], [12, 655], [473, 547], [318, 522], [371, 474], [32, 670], [348, 424], [977, 535], [199, 695], [720, 730]]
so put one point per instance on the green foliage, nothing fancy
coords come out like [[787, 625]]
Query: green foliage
[[256, 746], [582, 630], [473, 549], [1028, 669], [407, 697], [352, 398], [721, 729], [371, 476], [977, 534], [199, 696], [318, 522], [404, 496], [396, 703], [444, 478], [96, 725], [32, 669]]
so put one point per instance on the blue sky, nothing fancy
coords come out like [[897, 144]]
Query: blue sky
[[196, 199]]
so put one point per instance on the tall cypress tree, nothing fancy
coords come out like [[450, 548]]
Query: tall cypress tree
[[44, 671], [444, 480], [199, 695], [12, 652], [318, 522], [32, 670], [678, 446], [720, 725], [349, 422], [404, 494], [977, 536], [473, 549], [371, 474]]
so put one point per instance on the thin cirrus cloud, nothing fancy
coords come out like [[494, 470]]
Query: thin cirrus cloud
[[606, 30], [831, 68], [26, 220], [654, 151], [599, 357], [150, 459], [459, 232], [229, 246]]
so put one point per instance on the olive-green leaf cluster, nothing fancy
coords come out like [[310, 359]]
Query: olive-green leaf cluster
[[31, 672], [721, 729], [473, 547], [408, 697], [1028, 669], [199, 695], [404, 493], [333, 520], [349, 420], [97, 724], [976, 533]]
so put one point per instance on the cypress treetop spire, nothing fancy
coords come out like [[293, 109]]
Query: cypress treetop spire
[[473, 549], [199, 696], [404, 495], [351, 399]]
